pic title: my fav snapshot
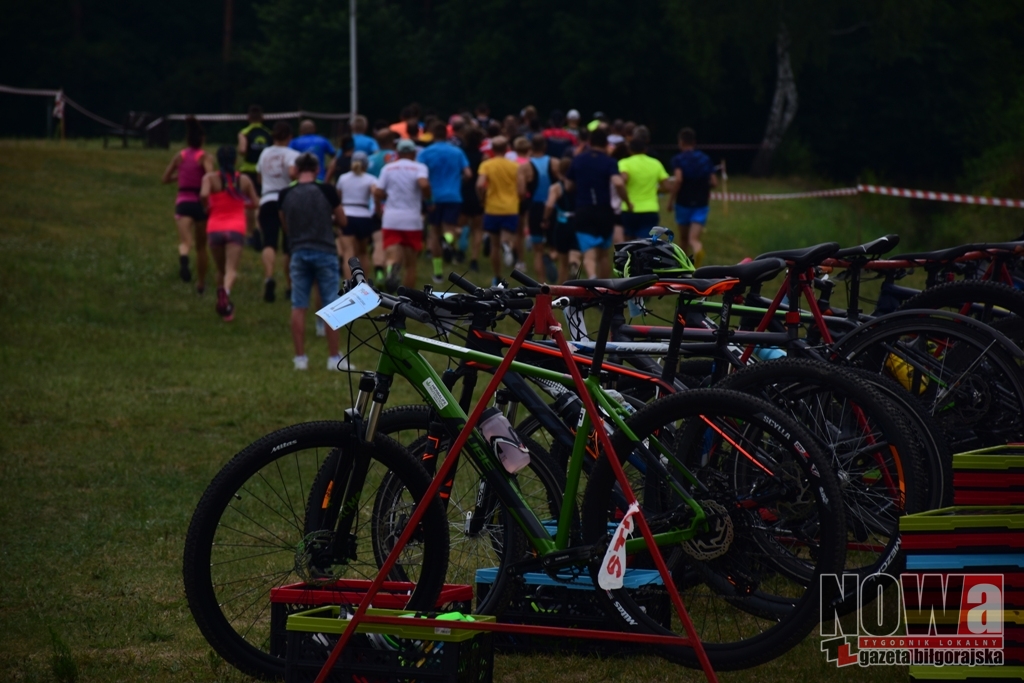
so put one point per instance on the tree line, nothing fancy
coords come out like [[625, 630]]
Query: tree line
[[915, 91]]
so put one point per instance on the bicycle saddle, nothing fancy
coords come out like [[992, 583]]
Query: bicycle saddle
[[948, 254], [621, 284], [803, 258], [748, 273], [873, 249]]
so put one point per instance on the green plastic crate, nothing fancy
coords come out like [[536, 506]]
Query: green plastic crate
[[325, 620]]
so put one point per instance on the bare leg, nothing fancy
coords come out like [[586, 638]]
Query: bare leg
[[683, 234], [563, 268], [604, 263], [590, 265], [410, 256], [378, 249], [476, 236], [233, 256], [434, 241], [348, 250], [496, 253], [299, 330], [696, 230], [202, 256], [268, 257], [219, 261], [333, 342], [618, 234], [186, 226], [538, 261]]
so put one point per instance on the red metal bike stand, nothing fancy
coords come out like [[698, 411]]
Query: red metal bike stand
[[542, 321]]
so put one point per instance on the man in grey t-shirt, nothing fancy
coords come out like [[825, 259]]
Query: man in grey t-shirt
[[309, 211]]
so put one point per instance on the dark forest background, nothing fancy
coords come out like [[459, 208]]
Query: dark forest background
[[915, 91]]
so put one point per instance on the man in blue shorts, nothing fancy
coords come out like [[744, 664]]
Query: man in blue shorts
[[309, 141], [448, 166], [694, 177], [497, 187], [595, 174]]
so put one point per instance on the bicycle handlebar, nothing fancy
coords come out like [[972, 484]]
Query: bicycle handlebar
[[358, 276], [463, 283], [522, 278]]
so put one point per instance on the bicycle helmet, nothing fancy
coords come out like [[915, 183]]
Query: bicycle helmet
[[651, 256]]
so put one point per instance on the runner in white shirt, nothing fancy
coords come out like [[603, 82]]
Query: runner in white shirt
[[404, 185], [275, 169], [356, 190]]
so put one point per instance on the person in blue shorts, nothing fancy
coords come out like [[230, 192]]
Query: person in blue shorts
[[694, 176], [595, 173], [309, 141], [448, 167]]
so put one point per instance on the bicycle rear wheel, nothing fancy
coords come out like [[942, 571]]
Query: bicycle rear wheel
[[249, 534], [751, 583]]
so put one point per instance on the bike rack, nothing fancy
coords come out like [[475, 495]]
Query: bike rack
[[542, 321]]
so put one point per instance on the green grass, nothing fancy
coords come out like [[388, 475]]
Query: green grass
[[122, 394]]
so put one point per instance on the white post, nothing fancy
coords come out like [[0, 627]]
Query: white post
[[353, 77]]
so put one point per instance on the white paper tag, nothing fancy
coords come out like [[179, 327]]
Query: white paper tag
[[355, 303], [613, 566]]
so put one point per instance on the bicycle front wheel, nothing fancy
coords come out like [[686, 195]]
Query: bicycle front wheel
[[776, 523], [250, 534]]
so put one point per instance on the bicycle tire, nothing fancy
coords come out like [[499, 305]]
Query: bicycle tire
[[778, 603], [256, 504], [871, 448], [499, 540], [968, 377], [954, 295]]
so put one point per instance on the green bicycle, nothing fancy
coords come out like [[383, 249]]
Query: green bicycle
[[739, 509]]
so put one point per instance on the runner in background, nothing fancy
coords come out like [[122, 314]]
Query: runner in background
[[403, 186], [534, 183], [595, 175], [408, 127], [310, 210], [356, 191], [448, 167], [188, 167], [361, 141], [309, 141], [694, 175], [560, 140], [496, 186], [572, 123], [482, 115], [644, 177], [386, 154], [560, 218], [276, 169], [225, 195], [252, 140], [472, 209], [513, 256]]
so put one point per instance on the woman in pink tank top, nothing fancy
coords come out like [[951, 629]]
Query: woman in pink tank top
[[188, 167], [225, 194]]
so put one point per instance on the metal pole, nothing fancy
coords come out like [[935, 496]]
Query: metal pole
[[353, 77]]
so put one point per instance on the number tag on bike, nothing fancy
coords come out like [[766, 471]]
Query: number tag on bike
[[613, 566], [355, 303]]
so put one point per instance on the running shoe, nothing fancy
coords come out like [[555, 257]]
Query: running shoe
[[394, 278], [335, 363], [301, 362], [438, 279], [550, 268], [508, 255], [184, 272], [521, 266], [268, 291], [321, 330], [225, 309]]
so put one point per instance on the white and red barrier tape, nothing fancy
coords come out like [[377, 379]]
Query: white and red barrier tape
[[875, 189]]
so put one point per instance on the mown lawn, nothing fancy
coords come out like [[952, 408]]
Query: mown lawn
[[122, 394]]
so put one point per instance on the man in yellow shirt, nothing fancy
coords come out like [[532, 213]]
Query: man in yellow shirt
[[496, 186], [645, 176]]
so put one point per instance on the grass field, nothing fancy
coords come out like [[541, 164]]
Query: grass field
[[122, 394]]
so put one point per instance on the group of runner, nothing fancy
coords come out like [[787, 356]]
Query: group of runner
[[468, 185]]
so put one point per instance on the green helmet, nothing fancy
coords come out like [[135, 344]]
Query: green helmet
[[651, 256]]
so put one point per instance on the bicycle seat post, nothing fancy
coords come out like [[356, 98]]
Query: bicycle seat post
[[609, 309]]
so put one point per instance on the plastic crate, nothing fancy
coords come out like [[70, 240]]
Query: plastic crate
[[299, 597], [544, 601], [420, 653], [971, 540], [991, 476]]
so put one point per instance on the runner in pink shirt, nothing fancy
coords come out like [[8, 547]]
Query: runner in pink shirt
[[188, 167]]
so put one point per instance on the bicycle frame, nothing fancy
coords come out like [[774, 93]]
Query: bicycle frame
[[401, 357]]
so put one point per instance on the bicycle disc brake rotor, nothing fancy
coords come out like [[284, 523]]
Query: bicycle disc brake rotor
[[716, 541], [312, 558]]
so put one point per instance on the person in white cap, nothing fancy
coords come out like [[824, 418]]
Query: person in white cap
[[572, 122], [356, 191]]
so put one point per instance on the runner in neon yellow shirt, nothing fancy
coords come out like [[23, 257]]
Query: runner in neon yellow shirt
[[644, 177]]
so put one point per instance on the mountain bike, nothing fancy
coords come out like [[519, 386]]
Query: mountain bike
[[746, 499]]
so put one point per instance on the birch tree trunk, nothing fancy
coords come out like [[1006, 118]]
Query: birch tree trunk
[[784, 106]]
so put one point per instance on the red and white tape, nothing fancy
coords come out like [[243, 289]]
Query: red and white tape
[[875, 189]]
